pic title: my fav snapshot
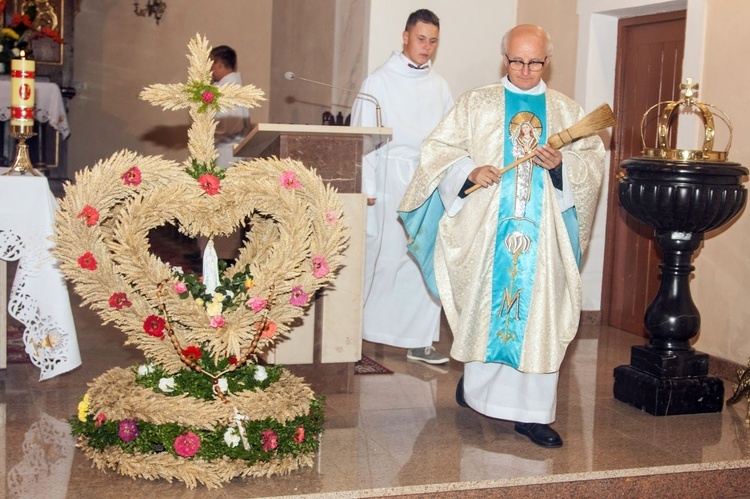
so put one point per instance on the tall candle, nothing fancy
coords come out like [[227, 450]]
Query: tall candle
[[22, 91]]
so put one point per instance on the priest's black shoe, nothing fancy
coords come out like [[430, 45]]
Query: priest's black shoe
[[540, 434], [460, 393]]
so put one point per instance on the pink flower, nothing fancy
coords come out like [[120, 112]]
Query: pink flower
[[119, 300], [100, 419], [289, 180], [209, 183], [90, 215], [270, 440], [256, 303], [187, 444], [180, 287], [299, 435], [298, 297], [217, 321], [128, 430], [331, 218], [320, 266], [207, 97], [87, 261], [132, 176]]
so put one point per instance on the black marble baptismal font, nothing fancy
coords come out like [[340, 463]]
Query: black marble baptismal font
[[682, 194]]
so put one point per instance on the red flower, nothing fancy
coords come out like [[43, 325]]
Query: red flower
[[232, 360], [132, 176], [154, 326], [192, 352], [270, 440], [52, 34], [119, 300], [299, 435], [87, 261], [90, 215], [21, 19], [100, 419], [209, 183], [207, 97], [187, 444]]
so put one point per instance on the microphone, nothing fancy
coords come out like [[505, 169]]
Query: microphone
[[360, 95]]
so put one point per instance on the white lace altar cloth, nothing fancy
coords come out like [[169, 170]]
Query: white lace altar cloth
[[49, 106], [39, 295]]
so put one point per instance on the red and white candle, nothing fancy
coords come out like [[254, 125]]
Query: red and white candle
[[22, 92]]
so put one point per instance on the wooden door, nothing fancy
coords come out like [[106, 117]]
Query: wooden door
[[648, 70]]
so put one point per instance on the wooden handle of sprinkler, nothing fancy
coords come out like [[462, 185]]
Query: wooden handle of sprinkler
[[501, 172]]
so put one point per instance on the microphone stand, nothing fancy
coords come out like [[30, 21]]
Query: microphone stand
[[362, 95]]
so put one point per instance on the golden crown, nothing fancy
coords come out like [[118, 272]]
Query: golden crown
[[662, 149]]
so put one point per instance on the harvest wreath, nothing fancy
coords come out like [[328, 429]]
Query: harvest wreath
[[200, 410]]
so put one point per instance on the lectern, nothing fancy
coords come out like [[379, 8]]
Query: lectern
[[324, 346]]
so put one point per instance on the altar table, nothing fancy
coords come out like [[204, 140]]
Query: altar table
[[39, 295]]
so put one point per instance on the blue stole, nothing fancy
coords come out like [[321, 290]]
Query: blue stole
[[519, 218], [422, 226]]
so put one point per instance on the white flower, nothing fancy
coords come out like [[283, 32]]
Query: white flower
[[166, 385], [145, 369], [229, 293], [178, 270], [260, 373], [231, 437]]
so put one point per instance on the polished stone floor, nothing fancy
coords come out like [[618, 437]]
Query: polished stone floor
[[401, 433]]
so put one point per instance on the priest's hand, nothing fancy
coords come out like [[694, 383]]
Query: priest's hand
[[371, 201], [485, 176], [548, 157]]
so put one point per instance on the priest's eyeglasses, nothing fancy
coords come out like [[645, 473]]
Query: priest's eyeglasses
[[534, 66]]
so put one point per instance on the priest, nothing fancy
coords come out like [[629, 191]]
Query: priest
[[505, 259]]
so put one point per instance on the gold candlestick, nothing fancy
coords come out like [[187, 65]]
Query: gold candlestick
[[22, 164], [22, 95]]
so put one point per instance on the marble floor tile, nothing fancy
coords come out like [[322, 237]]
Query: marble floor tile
[[394, 433]]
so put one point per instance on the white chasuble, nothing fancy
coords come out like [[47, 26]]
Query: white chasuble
[[465, 244]]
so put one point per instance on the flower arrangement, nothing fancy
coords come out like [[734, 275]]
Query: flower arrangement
[[201, 410], [24, 27], [236, 438]]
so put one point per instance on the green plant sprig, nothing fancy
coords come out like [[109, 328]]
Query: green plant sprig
[[198, 385], [231, 287], [196, 169]]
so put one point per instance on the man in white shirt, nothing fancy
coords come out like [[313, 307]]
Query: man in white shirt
[[399, 309], [234, 123]]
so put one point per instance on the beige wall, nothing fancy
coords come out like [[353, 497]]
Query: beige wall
[[321, 41], [721, 288], [560, 20], [117, 54], [468, 55]]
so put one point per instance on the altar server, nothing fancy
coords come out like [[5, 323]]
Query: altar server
[[399, 309]]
